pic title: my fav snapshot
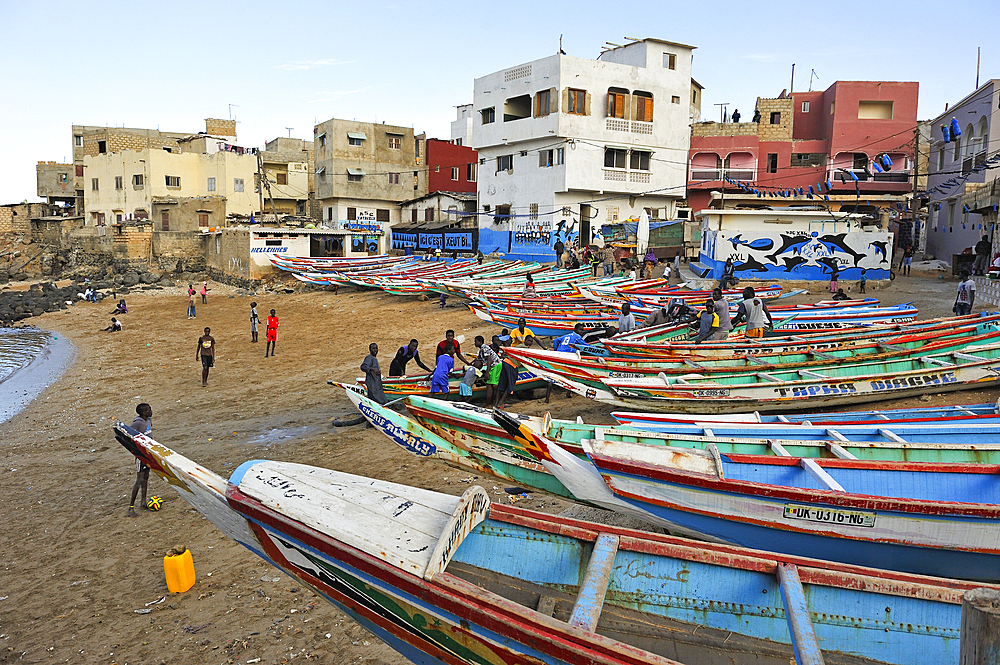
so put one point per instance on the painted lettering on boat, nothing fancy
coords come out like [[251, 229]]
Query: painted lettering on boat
[[830, 516], [810, 391], [914, 381], [626, 375], [288, 489], [412, 442], [472, 514]]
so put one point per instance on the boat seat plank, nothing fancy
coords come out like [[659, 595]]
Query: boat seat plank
[[936, 361], [804, 642], [820, 475], [890, 347], [593, 589], [778, 449], [768, 377], [839, 451], [707, 432], [815, 375], [967, 412], [754, 360], [835, 434], [966, 356], [879, 414], [820, 354], [691, 363], [783, 418], [892, 436]]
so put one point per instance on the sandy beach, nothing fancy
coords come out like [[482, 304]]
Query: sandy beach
[[76, 569]]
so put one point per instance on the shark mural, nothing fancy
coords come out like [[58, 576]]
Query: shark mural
[[806, 255]]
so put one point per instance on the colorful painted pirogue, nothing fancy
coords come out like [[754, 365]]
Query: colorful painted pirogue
[[458, 580], [938, 519], [400, 386], [957, 414], [591, 371], [667, 344], [782, 390]]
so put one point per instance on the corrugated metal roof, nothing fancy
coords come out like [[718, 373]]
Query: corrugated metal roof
[[357, 135], [351, 171]]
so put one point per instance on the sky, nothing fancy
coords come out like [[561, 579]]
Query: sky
[[274, 65]]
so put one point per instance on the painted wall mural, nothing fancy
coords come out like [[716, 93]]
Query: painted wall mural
[[808, 255]]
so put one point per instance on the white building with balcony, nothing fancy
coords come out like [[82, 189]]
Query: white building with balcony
[[567, 144]]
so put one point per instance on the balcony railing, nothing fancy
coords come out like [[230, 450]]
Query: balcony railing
[[706, 174], [617, 176], [740, 174], [616, 125]]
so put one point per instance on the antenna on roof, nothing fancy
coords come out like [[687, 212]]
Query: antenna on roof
[[561, 51], [812, 73], [289, 131]]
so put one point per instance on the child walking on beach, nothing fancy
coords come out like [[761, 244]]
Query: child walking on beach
[[191, 313], [272, 334], [143, 424]]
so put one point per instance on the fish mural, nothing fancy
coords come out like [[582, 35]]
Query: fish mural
[[837, 242], [795, 243], [806, 255], [762, 244]]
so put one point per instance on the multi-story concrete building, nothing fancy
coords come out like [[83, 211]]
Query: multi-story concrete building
[[363, 172], [806, 140], [451, 167], [960, 175], [461, 127], [192, 187], [566, 144], [56, 183], [288, 165]]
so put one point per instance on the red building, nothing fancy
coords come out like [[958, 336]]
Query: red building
[[809, 138], [450, 167]]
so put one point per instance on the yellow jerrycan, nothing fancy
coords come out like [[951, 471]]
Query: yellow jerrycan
[[178, 566]]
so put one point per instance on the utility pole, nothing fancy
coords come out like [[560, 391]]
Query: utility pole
[[978, 49], [791, 86]]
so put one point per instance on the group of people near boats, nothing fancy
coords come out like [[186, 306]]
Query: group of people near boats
[[610, 259]]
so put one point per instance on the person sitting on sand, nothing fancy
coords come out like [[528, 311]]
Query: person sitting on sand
[[116, 325], [840, 295], [120, 308], [143, 424]]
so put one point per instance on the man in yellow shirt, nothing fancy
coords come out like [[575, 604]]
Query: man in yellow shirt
[[522, 335]]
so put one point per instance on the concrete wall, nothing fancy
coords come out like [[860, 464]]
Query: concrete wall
[[179, 251], [16, 217], [55, 182], [442, 157], [185, 213]]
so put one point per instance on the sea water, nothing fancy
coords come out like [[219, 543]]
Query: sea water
[[30, 360]]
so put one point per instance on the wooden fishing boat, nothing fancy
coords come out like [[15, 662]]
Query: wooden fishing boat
[[933, 519], [591, 370], [460, 580], [399, 386], [958, 413], [631, 346], [779, 390]]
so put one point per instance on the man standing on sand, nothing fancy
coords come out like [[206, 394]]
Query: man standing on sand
[[966, 296], [449, 338], [272, 334], [206, 351], [373, 375], [404, 355], [143, 424], [559, 248]]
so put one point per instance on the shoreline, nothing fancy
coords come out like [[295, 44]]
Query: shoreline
[[21, 388]]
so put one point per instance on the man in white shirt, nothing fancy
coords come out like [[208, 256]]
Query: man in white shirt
[[966, 296]]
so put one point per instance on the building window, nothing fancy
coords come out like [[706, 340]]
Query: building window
[[470, 171], [211, 185], [639, 160], [517, 108], [542, 100], [102, 147], [560, 156], [382, 215], [352, 214], [644, 106], [203, 220], [413, 215], [329, 214], [118, 217], [454, 173], [79, 170], [393, 178], [675, 99], [544, 158], [281, 178], [393, 142], [875, 110], [63, 178], [172, 180], [612, 212], [137, 181], [428, 214], [807, 159], [237, 184], [77, 140], [533, 210], [457, 141], [694, 95], [353, 141], [670, 60], [503, 212], [577, 102], [488, 115], [940, 161], [356, 138], [776, 118], [617, 102], [805, 107], [165, 220], [772, 162], [119, 182], [95, 185], [416, 148], [958, 149], [355, 175], [833, 105], [321, 139], [614, 158], [505, 163]]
